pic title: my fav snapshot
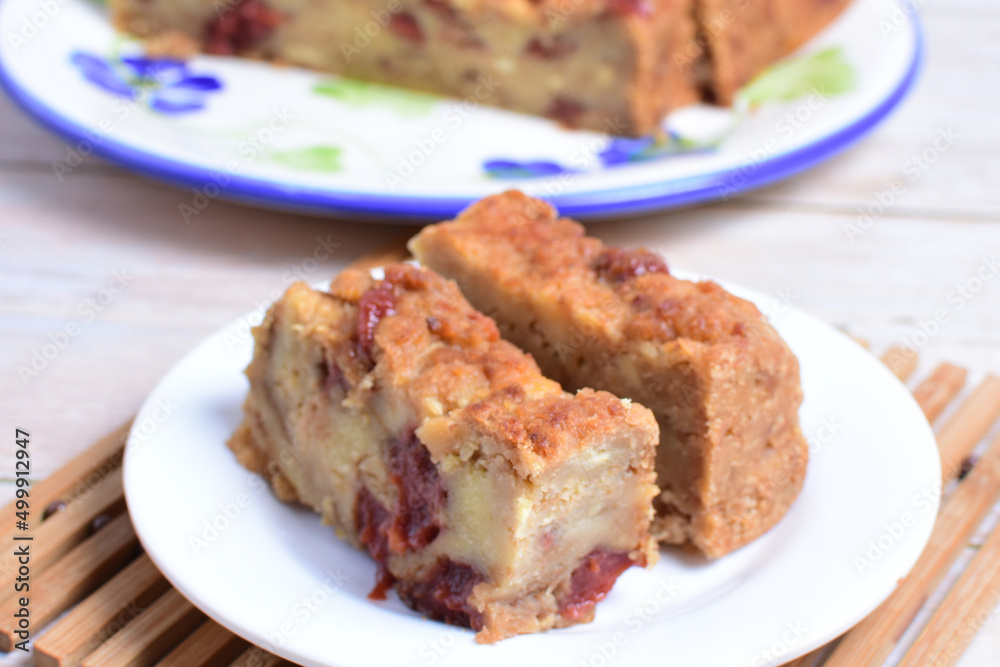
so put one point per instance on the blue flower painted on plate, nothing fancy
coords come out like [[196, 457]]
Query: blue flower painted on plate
[[625, 150], [165, 84], [619, 151], [511, 169]]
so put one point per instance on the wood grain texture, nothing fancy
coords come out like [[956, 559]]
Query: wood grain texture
[[968, 425], [968, 607], [935, 393], [151, 636], [72, 480], [257, 657], [113, 606], [80, 572], [209, 645], [901, 361], [60, 533]]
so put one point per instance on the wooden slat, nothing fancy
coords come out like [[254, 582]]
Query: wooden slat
[[964, 429], [80, 572], [101, 615], [258, 657], [185, 642], [870, 642], [968, 606], [148, 638], [901, 361], [937, 391], [67, 482], [211, 644], [64, 530]]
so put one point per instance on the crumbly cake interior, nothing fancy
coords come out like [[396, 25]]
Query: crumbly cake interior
[[724, 387], [488, 496], [616, 66]]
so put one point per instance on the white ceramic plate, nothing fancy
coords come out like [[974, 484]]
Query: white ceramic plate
[[299, 140], [274, 575]]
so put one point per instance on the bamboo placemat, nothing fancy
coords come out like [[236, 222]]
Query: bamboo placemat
[[87, 561]]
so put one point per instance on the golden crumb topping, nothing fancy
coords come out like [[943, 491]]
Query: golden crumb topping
[[629, 293], [412, 335]]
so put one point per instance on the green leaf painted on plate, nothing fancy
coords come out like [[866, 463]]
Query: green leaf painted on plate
[[826, 73], [317, 158], [363, 93]]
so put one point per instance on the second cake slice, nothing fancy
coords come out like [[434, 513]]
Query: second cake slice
[[723, 385]]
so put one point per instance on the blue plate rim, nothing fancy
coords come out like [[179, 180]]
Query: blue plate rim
[[632, 200]]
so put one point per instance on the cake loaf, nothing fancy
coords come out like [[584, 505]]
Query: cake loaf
[[488, 497], [723, 385], [616, 66]]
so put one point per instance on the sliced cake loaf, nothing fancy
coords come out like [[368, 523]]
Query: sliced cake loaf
[[723, 385]]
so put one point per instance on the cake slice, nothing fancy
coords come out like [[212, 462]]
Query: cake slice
[[723, 385], [616, 66], [739, 38], [488, 497], [598, 64]]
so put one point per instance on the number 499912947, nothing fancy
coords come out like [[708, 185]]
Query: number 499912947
[[22, 477]]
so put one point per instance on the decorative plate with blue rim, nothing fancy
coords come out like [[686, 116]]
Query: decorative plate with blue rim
[[304, 141]]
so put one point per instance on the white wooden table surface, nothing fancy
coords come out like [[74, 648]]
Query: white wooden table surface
[[63, 244]]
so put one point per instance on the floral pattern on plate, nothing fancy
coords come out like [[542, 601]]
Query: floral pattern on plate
[[510, 169], [355, 149], [171, 88], [165, 84]]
